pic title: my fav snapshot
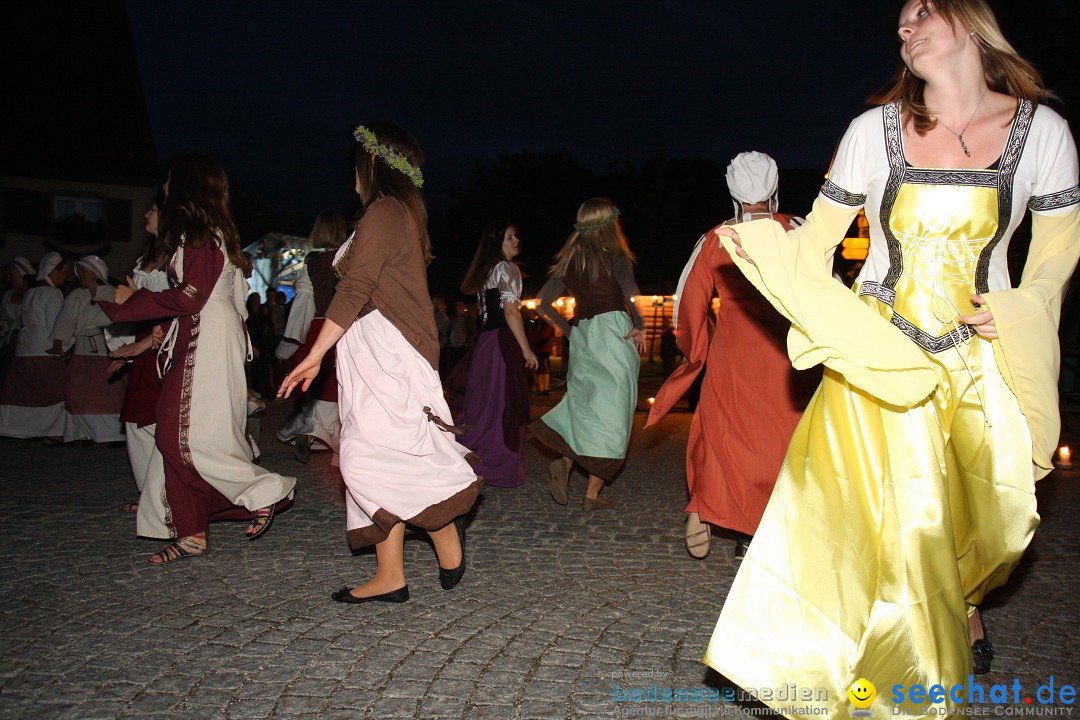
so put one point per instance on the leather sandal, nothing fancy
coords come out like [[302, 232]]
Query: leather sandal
[[698, 536]]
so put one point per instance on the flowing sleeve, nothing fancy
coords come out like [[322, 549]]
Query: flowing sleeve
[[829, 324], [624, 275], [51, 305], [545, 306], [155, 280], [1027, 316], [201, 269], [506, 276], [376, 240], [63, 328], [692, 322], [303, 308]]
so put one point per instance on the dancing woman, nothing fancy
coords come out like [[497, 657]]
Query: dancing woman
[[908, 489], [202, 409], [400, 463], [497, 394], [92, 396], [144, 389], [751, 398], [591, 424], [316, 416]]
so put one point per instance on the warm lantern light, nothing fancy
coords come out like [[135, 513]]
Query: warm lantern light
[[571, 301], [652, 400], [674, 297], [531, 304], [655, 298], [559, 302], [1064, 458]]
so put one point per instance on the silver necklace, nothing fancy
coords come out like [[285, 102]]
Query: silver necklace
[[960, 135]]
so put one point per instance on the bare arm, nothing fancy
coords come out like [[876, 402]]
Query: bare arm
[[513, 320], [545, 308], [308, 368]]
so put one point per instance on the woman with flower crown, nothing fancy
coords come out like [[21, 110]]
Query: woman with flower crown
[[908, 490], [399, 458], [591, 424], [202, 408]]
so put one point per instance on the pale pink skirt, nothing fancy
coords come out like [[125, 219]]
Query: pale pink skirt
[[397, 463]]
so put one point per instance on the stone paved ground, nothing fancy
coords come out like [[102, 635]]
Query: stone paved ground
[[555, 605]]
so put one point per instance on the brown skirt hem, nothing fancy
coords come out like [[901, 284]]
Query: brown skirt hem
[[432, 517], [604, 468]]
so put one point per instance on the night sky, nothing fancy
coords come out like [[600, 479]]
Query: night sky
[[272, 89]]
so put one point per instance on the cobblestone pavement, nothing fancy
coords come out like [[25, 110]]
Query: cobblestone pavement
[[556, 605]]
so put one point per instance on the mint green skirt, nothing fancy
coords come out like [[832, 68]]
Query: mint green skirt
[[591, 425]]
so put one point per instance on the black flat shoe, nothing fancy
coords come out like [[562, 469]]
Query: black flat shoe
[[449, 578], [394, 596], [982, 653]]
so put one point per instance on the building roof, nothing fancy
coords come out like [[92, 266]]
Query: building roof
[[73, 99]]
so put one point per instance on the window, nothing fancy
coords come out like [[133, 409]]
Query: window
[[86, 209]]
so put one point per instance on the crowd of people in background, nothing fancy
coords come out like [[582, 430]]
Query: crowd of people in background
[[906, 466]]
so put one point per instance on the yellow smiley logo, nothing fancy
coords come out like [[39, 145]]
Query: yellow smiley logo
[[862, 693]]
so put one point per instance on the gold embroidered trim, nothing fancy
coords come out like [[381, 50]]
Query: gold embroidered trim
[[192, 292], [185, 394]]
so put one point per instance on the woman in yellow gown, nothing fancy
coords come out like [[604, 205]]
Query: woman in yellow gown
[[908, 488]]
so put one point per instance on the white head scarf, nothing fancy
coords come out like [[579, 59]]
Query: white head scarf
[[25, 268], [752, 178], [95, 265], [48, 263]]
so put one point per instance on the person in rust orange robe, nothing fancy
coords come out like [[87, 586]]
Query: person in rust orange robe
[[751, 398]]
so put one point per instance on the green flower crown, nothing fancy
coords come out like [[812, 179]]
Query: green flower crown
[[581, 227], [394, 159]]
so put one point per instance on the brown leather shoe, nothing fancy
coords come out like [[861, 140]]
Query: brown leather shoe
[[588, 504], [560, 479]]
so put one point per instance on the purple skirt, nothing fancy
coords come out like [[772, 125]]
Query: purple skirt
[[496, 408]]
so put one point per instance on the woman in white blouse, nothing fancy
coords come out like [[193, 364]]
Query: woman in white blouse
[[497, 395]]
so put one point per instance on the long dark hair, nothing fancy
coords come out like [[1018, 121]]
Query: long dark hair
[[155, 246], [378, 179], [488, 254], [196, 209], [1004, 70]]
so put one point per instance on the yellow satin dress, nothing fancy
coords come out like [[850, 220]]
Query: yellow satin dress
[[887, 522]]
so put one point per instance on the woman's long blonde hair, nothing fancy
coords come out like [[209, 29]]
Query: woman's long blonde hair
[[597, 238], [1003, 68]]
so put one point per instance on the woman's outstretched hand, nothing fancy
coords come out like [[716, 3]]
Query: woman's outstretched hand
[[729, 232], [123, 292], [982, 321], [638, 338], [303, 374], [132, 349]]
